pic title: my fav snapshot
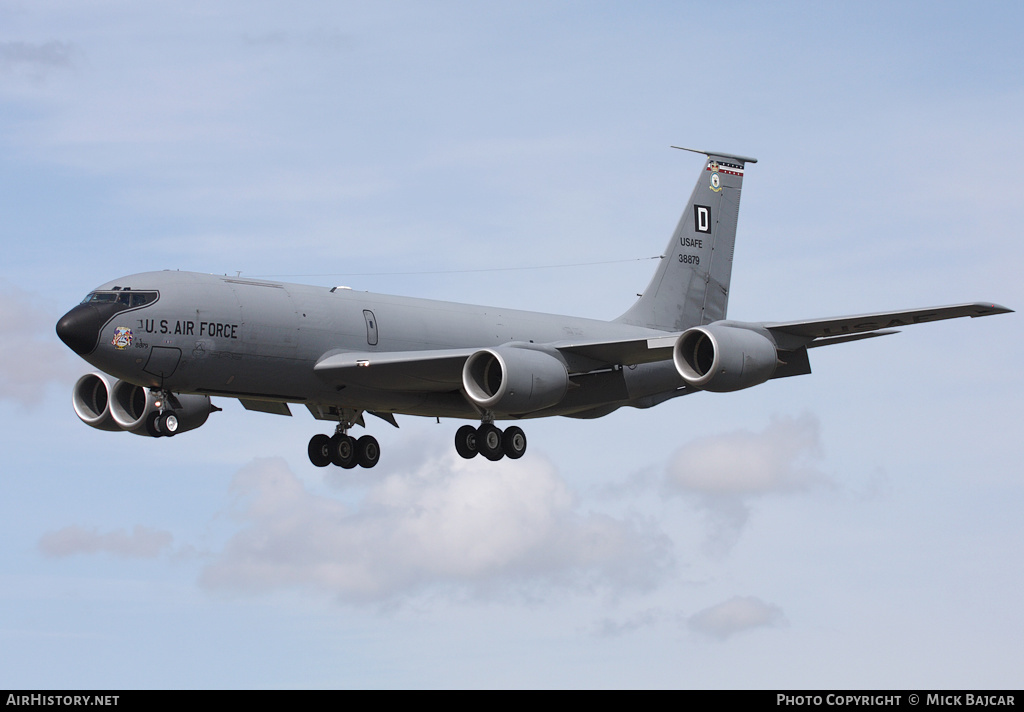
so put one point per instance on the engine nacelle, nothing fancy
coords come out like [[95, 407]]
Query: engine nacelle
[[91, 400], [106, 404], [514, 380], [723, 358], [131, 407]]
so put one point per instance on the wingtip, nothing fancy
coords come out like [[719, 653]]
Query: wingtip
[[988, 308]]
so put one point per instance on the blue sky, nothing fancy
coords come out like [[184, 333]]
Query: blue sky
[[858, 527]]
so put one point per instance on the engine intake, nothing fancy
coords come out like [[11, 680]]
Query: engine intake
[[722, 358], [514, 380], [91, 400]]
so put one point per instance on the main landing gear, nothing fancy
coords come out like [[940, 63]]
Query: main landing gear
[[343, 450], [490, 441]]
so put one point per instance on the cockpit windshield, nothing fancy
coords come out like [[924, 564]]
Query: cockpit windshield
[[123, 298]]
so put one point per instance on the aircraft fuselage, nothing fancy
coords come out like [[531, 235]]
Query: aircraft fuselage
[[260, 340]]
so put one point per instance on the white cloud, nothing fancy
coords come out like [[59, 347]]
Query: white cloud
[[28, 360], [725, 471], [37, 56], [734, 616], [778, 459], [647, 618], [486, 528], [141, 543]]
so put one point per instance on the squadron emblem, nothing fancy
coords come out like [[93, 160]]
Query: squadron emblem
[[122, 338]]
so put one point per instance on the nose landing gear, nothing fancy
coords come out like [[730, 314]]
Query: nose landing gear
[[163, 421], [160, 424]]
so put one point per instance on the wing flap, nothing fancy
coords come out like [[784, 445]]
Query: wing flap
[[829, 340], [265, 406]]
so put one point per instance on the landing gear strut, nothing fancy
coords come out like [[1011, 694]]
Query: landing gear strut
[[490, 441]]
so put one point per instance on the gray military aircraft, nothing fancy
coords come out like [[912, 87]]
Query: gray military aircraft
[[164, 342]]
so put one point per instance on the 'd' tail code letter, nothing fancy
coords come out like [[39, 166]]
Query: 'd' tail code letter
[[691, 286]]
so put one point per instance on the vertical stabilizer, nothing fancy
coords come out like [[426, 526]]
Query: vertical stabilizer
[[691, 285]]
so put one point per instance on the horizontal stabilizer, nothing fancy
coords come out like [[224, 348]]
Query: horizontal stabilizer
[[719, 154]]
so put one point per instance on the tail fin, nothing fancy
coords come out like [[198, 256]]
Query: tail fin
[[691, 286]]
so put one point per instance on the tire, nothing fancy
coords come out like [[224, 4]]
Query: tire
[[342, 451], [367, 451], [168, 423], [513, 442], [488, 441], [320, 450], [151, 425], [465, 442]]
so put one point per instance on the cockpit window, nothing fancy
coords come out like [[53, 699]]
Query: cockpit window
[[141, 298], [124, 298]]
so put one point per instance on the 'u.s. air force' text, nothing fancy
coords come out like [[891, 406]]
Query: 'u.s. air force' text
[[187, 327]]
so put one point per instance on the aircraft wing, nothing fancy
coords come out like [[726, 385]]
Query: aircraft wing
[[441, 370], [592, 355], [819, 332], [425, 371], [788, 335]]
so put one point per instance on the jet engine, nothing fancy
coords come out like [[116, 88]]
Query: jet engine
[[103, 403], [514, 380], [722, 358], [91, 400]]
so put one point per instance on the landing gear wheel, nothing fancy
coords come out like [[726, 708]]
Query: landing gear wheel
[[513, 442], [168, 423], [367, 451], [320, 450], [342, 451], [465, 442], [488, 441], [151, 425]]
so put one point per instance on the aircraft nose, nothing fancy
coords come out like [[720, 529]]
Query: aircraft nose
[[80, 328]]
